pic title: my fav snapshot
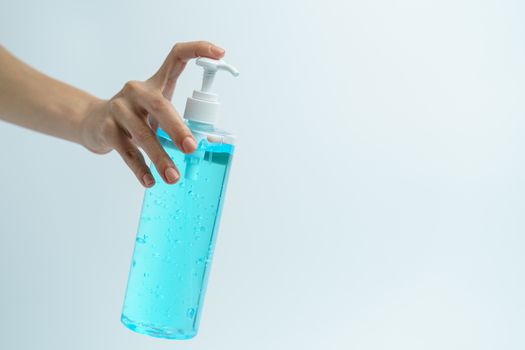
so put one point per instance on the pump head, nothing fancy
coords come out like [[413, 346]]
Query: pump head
[[203, 105]]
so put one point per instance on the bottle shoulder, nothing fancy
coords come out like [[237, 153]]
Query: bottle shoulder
[[209, 138]]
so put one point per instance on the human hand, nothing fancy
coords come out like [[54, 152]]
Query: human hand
[[122, 122]]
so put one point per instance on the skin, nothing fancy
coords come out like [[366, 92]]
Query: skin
[[124, 123]]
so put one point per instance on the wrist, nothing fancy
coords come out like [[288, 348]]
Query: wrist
[[89, 127]]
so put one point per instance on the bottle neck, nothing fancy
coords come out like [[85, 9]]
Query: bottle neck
[[195, 125]]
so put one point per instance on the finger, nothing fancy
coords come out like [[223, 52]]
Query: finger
[[179, 55], [167, 116], [193, 49], [145, 138], [135, 160], [148, 141]]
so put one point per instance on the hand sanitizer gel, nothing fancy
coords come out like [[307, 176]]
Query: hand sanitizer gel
[[178, 224]]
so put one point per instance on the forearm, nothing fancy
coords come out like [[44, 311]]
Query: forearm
[[33, 100], [122, 123]]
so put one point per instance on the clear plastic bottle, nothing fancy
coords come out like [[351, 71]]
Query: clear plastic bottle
[[178, 227]]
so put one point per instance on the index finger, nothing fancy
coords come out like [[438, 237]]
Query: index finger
[[180, 54]]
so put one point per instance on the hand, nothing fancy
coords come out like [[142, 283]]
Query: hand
[[122, 123]]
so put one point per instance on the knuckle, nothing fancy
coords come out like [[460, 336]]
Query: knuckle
[[108, 128], [158, 104], [161, 160], [117, 106], [175, 53], [133, 161], [133, 158], [130, 156], [131, 86], [176, 47], [143, 135]]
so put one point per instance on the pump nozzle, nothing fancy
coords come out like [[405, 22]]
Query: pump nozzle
[[203, 105], [211, 67]]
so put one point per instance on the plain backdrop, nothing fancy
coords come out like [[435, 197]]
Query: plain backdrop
[[376, 199]]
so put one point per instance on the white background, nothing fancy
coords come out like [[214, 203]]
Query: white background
[[376, 199]]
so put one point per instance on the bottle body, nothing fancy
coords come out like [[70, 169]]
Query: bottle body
[[175, 241]]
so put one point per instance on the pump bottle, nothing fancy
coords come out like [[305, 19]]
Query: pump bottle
[[178, 224]]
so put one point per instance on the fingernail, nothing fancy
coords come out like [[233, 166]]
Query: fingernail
[[189, 145], [217, 50], [148, 180], [171, 175]]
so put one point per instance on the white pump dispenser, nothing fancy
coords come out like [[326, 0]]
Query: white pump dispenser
[[203, 106]]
